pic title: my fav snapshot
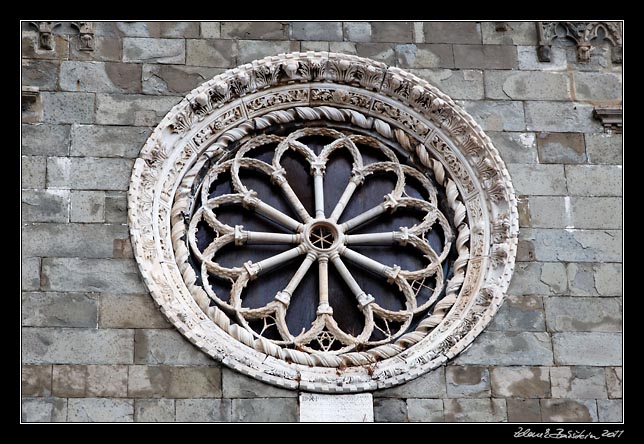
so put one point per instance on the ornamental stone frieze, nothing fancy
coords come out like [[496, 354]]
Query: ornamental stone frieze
[[583, 34]]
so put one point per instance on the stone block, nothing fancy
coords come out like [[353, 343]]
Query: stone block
[[601, 148], [508, 348], [519, 313], [166, 347], [515, 147], [254, 30], [44, 410], [175, 79], [76, 240], [452, 32], [597, 212], [562, 117], [529, 61], [80, 381], [382, 52], [45, 205], [264, 410], [518, 85], [561, 148], [549, 211], [154, 410], [520, 382], [389, 410], [523, 410], [68, 107], [87, 206], [250, 50], [523, 210], [424, 56], [100, 77], [429, 385], [425, 410], [587, 348], [89, 173], [115, 207], [318, 46], [210, 30], [30, 273], [130, 311], [45, 140], [475, 410], [132, 109], [40, 73], [568, 410], [392, 32], [33, 171], [203, 410], [30, 49], [174, 382], [518, 33], [538, 180], [100, 410], [329, 31], [613, 381], [578, 382], [357, 31], [217, 53], [236, 385], [538, 278], [105, 50], [36, 380], [610, 410], [344, 47], [107, 141], [76, 346], [525, 247], [151, 29], [96, 275], [594, 180], [598, 86], [151, 50], [458, 84], [584, 314], [59, 310], [496, 115], [577, 245], [467, 382], [485, 56]]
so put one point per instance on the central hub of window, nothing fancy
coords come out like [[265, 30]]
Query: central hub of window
[[323, 235]]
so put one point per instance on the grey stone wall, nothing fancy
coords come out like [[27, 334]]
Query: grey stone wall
[[95, 348]]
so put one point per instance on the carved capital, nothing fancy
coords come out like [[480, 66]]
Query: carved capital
[[45, 38]]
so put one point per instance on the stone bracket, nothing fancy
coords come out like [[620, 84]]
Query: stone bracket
[[86, 30], [610, 117], [582, 33], [45, 39], [31, 104]]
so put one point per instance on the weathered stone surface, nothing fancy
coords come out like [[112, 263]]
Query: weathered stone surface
[[75, 240], [584, 314], [525, 246], [561, 148], [174, 382], [357, 31], [76, 346], [523, 209], [45, 140], [175, 79], [343, 47], [105, 50], [396, 32], [467, 382], [549, 211], [203, 410], [464, 84], [148, 29], [598, 86], [44, 410], [115, 207], [318, 407], [264, 410], [89, 173], [107, 141], [236, 385], [538, 278], [166, 347], [577, 245], [382, 52], [529, 61], [424, 56], [610, 410], [329, 31], [30, 273], [538, 179], [425, 410], [30, 49], [613, 382], [568, 410], [515, 147], [578, 382], [101, 275], [429, 385], [597, 212], [132, 109], [130, 311], [519, 313], [523, 410], [594, 180], [497, 115], [154, 410], [475, 410], [520, 382], [36, 380], [100, 410], [389, 410], [587, 348], [217, 53], [40, 73], [601, 148], [59, 310], [519, 33], [517, 85], [68, 107], [485, 56], [317, 46], [562, 117], [508, 348], [587, 279], [254, 30], [452, 32], [250, 50], [45, 205], [33, 171], [148, 50], [90, 380], [87, 206], [100, 77]]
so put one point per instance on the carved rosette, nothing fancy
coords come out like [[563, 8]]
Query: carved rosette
[[355, 96]]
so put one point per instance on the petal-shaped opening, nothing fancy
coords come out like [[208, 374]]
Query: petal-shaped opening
[[346, 313], [336, 177], [266, 191], [370, 194], [299, 177], [387, 295], [301, 311]]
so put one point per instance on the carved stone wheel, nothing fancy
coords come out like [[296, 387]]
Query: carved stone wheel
[[323, 222]]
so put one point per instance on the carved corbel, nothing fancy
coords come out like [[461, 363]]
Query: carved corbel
[[45, 38], [610, 118], [86, 38], [582, 33]]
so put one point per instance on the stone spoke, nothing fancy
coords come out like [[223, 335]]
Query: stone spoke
[[264, 238], [362, 297], [285, 295]]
